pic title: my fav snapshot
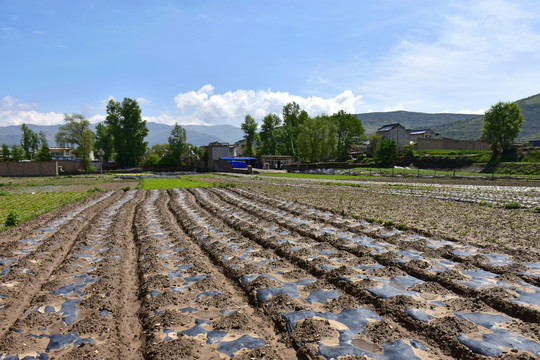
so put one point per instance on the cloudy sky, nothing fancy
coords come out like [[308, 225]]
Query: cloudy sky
[[213, 62]]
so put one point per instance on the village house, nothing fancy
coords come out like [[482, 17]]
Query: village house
[[396, 132], [217, 149], [425, 134], [276, 161]]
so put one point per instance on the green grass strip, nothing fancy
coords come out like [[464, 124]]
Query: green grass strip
[[29, 205]]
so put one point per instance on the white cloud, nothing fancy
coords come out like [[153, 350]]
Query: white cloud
[[484, 51], [38, 32], [398, 107], [96, 118], [16, 112], [143, 101], [204, 107]]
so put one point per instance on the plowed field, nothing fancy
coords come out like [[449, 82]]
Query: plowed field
[[216, 273]]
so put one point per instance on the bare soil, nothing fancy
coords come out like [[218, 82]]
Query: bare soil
[[258, 274]]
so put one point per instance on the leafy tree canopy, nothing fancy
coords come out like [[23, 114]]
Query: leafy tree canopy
[[72, 132], [502, 124], [249, 126], [349, 131], [177, 145], [270, 134], [128, 131], [29, 141], [316, 138], [387, 152], [104, 141]]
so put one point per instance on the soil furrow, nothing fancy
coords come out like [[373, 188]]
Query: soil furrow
[[25, 229], [72, 315], [189, 308], [338, 303], [497, 263], [128, 324], [429, 330], [34, 267], [494, 294]]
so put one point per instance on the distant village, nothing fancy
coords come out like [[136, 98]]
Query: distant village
[[223, 156]]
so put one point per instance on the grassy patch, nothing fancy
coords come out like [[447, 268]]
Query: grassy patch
[[182, 182], [30, 205], [512, 205]]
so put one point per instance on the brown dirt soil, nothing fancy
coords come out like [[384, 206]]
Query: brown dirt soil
[[236, 273]]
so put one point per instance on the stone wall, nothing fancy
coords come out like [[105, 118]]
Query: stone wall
[[449, 144]]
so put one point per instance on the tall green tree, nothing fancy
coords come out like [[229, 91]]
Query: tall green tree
[[72, 131], [374, 143], [29, 141], [157, 156], [177, 145], [316, 139], [6, 154], [293, 117], [104, 141], [76, 132], [502, 124], [44, 154], [387, 152], [269, 135], [86, 146], [349, 132], [249, 126], [128, 130], [17, 153]]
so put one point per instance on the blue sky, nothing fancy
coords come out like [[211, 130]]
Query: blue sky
[[213, 62]]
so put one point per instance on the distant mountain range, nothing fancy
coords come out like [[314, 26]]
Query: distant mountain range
[[197, 135], [471, 128], [456, 126], [410, 120]]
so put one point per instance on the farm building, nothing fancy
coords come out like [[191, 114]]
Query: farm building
[[397, 133], [233, 163], [276, 161], [426, 134], [61, 153], [216, 150]]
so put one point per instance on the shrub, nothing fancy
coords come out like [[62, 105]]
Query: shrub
[[536, 209], [95, 189], [126, 188], [13, 218], [224, 186], [402, 227], [512, 205]]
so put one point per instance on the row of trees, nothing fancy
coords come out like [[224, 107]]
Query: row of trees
[[324, 137], [312, 139], [121, 137], [33, 146]]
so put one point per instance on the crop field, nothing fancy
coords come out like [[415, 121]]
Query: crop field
[[262, 269]]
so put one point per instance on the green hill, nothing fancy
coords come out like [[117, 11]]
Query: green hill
[[471, 129], [411, 120]]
